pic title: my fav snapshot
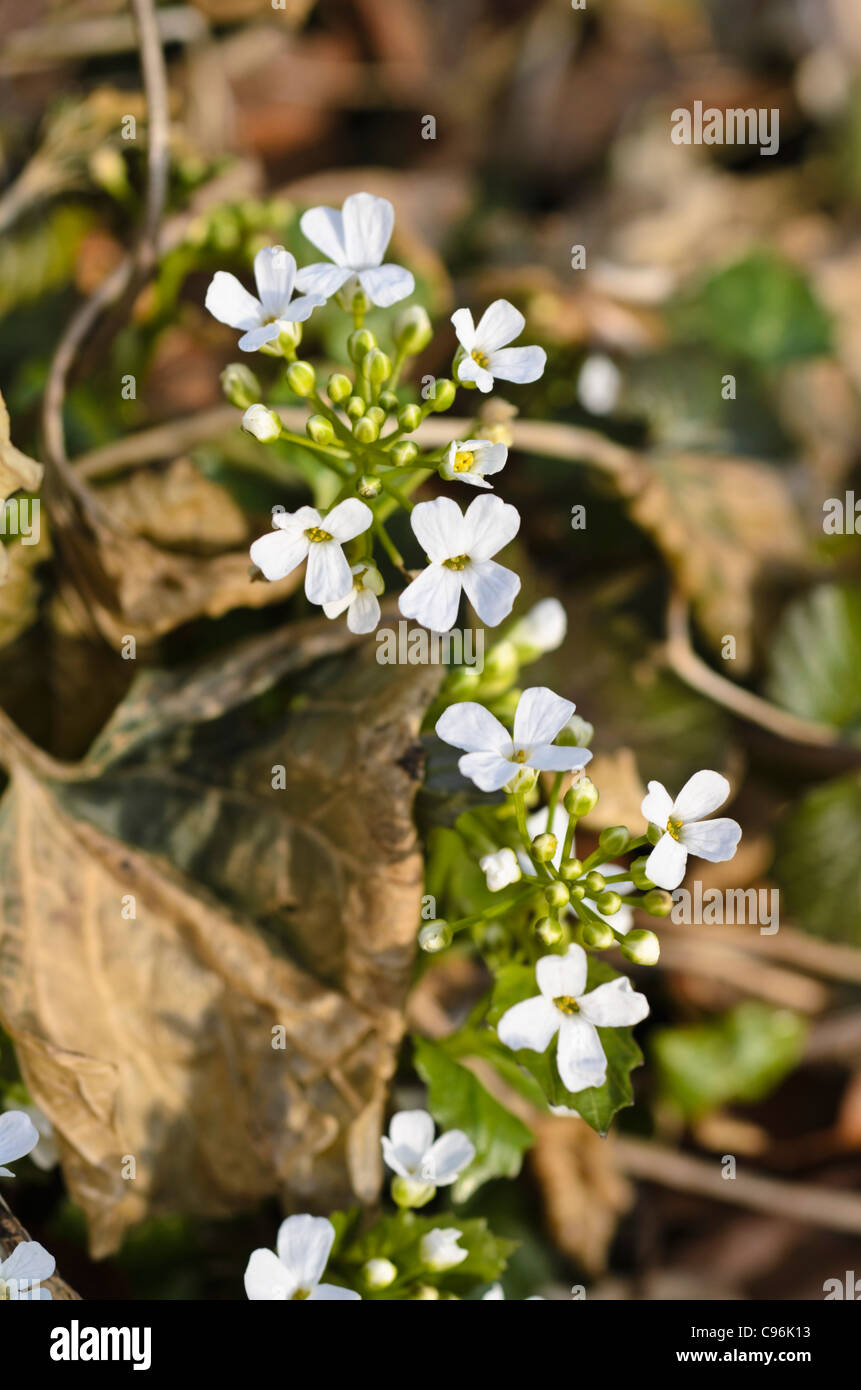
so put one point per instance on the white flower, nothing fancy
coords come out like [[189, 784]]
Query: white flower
[[486, 354], [28, 1264], [540, 630], [537, 824], [46, 1154], [598, 384], [264, 424], [304, 1243], [439, 1248], [379, 1273], [410, 1151], [305, 534], [563, 1008], [500, 869], [494, 1293], [493, 756], [261, 319], [355, 239], [361, 603], [459, 546], [685, 832], [470, 460], [18, 1136]]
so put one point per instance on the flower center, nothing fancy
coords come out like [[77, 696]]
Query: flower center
[[480, 357], [566, 1004], [300, 1294], [520, 756], [674, 828], [4, 1292], [316, 533], [463, 461], [457, 562]]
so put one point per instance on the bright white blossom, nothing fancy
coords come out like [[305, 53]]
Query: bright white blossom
[[685, 832], [439, 1249], [262, 320], [471, 460], [486, 355], [18, 1136], [410, 1150], [355, 239], [459, 546], [563, 1008], [540, 630], [361, 603], [305, 534], [294, 1274], [29, 1264], [494, 1294], [493, 757], [500, 869], [46, 1154], [537, 824]]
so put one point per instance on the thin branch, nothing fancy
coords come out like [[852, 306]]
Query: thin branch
[[11, 1234]]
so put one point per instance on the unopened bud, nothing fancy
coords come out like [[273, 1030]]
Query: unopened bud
[[435, 936], [360, 343], [338, 387], [389, 401], [403, 453], [548, 931], [318, 428], [639, 877], [608, 903], [368, 486], [544, 847], [263, 423], [412, 330], [412, 1192], [614, 840], [376, 367], [379, 1273], [597, 935], [409, 418], [355, 407], [657, 903], [641, 947], [557, 895], [595, 883], [377, 414], [240, 385], [366, 430], [301, 378], [570, 869], [581, 798], [444, 392]]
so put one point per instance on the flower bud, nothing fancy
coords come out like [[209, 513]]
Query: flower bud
[[360, 343], [614, 840], [368, 486], [425, 1293], [409, 418], [595, 883], [366, 430], [577, 892], [301, 378], [439, 1249], [240, 385], [289, 339], [318, 428], [411, 1192], [412, 330], [435, 936], [570, 869], [548, 931], [404, 452], [379, 1273], [355, 407], [338, 387], [557, 895], [597, 935], [638, 874], [389, 401], [540, 630], [377, 414], [657, 903], [376, 367], [444, 392], [544, 847], [608, 903], [581, 798], [641, 947], [264, 424], [523, 780]]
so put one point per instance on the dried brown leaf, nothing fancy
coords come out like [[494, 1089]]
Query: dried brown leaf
[[584, 1193]]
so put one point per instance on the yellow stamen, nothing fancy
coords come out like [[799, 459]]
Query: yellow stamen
[[566, 1004], [674, 828], [457, 562], [480, 357], [316, 533], [463, 461]]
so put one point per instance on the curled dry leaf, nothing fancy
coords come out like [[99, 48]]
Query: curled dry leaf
[[178, 507], [168, 907]]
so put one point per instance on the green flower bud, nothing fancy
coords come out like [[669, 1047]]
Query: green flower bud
[[522, 781], [577, 732], [444, 392], [240, 385], [614, 840], [366, 430], [435, 936], [638, 874], [412, 330], [548, 931], [289, 338], [653, 834], [411, 1192], [597, 935], [368, 486], [360, 343], [425, 1293], [608, 903], [570, 869], [318, 428], [557, 895], [404, 452], [355, 407], [389, 401], [641, 947], [409, 418], [544, 847], [657, 903], [377, 414], [264, 424], [301, 378], [338, 387], [376, 367], [595, 883], [379, 1273], [581, 798], [577, 892]]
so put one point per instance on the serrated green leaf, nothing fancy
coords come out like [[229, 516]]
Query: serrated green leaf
[[816, 864], [815, 658]]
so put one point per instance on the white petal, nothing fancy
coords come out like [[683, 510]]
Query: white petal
[[540, 715], [230, 302], [446, 1158], [488, 771], [473, 728], [298, 310], [18, 1135], [267, 1279], [411, 1132], [386, 284], [322, 279], [491, 589], [579, 1054], [469, 370], [29, 1260], [701, 794], [554, 757], [364, 613], [368, 223], [714, 840], [530, 1023], [297, 522], [489, 525], [439, 529], [500, 323], [562, 974], [657, 805], [325, 228], [393, 1159], [520, 365], [493, 1293], [279, 552], [614, 1005], [303, 1247], [490, 458], [543, 627], [348, 520], [274, 273], [332, 1293], [433, 598], [464, 328], [256, 338], [665, 865], [327, 577], [335, 609]]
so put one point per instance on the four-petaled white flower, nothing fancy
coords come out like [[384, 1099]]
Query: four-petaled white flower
[[562, 1007], [18, 1137], [471, 460], [28, 1264], [355, 239], [685, 832], [459, 546], [304, 534], [486, 355], [439, 1249], [410, 1151], [362, 602], [294, 1274], [500, 869], [493, 756], [263, 319]]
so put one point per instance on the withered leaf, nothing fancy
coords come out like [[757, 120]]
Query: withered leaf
[[152, 1036]]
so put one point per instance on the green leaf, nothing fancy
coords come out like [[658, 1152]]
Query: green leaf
[[597, 1104], [457, 1100], [398, 1238], [741, 1056], [815, 658], [816, 863]]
